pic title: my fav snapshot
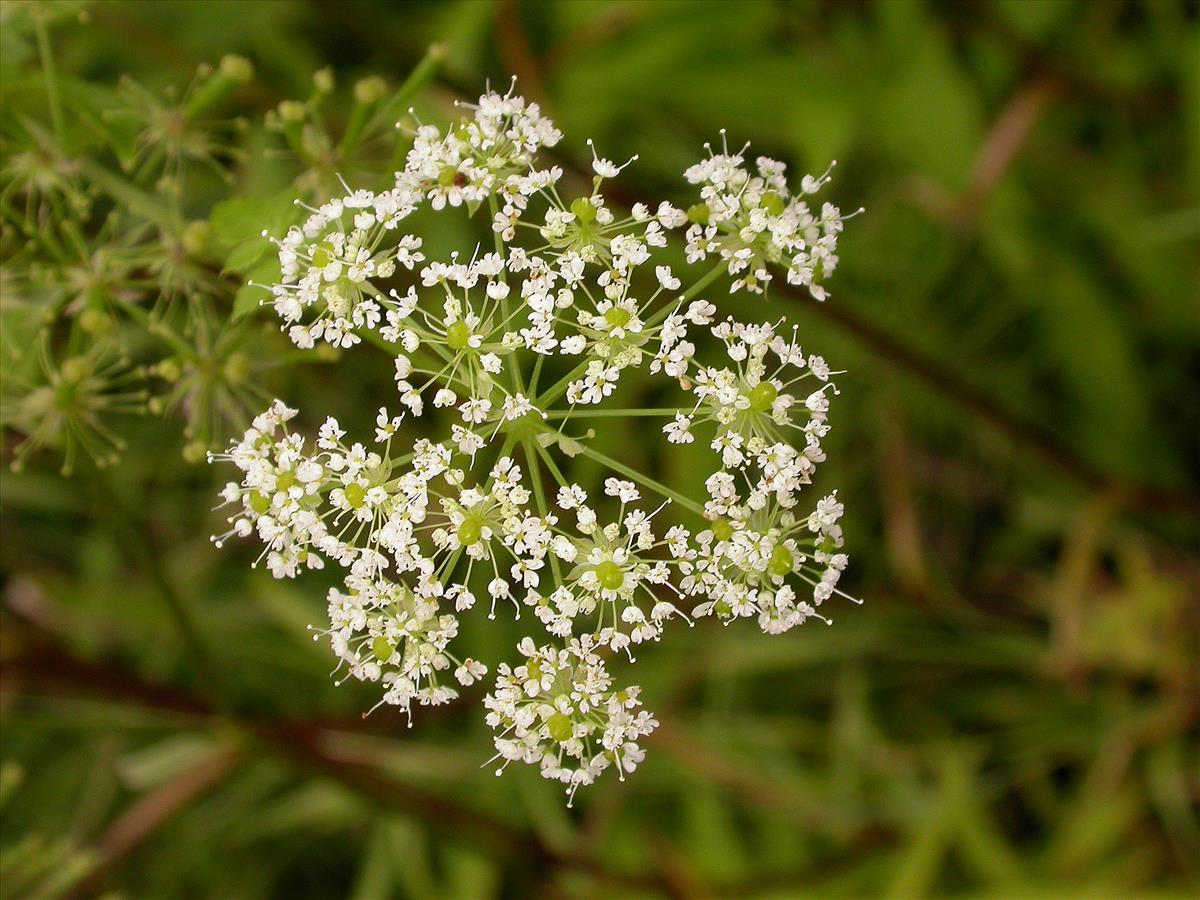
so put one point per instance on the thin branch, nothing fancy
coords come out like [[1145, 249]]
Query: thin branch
[[149, 813], [43, 660]]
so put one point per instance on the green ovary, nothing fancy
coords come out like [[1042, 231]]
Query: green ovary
[[583, 210], [470, 530], [610, 576], [355, 495], [618, 317], [322, 255], [457, 335], [382, 649], [773, 203], [781, 562], [762, 396], [560, 727]]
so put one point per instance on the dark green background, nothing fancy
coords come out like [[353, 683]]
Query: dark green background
[[1014, 709]]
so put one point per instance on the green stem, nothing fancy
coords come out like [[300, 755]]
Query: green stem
[[137, 540], [560, 386], [690, 294], [396, 461], [588, 412], [420, 75], [539, 493], [551, 465], [515, 369], [160, 330], [49, 72], [230, 72], [354, 129], [657, 486], [537, 373]]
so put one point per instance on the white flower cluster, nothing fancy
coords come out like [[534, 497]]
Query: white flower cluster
[[755, 222], [514, 344], [558, 709]]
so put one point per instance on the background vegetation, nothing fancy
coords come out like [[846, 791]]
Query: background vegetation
[[1013, 712]]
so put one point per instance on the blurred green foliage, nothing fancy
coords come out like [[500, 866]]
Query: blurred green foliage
[[1015, 709]]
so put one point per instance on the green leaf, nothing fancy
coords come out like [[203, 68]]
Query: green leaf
[[251, 294], [238, 225], [1093, 349]]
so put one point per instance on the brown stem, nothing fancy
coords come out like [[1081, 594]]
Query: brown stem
[[42, 661]]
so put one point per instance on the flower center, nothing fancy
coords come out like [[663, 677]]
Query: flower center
[[618, 317], [323, 255], [610, 576], [457, 335], [559, 726], [762, 396], [471, 529], [583, 210], [722, 529], [772, 203], [382, 649], [355, 495], [781, 562]]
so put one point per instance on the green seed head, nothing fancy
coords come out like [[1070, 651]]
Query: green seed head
[[470, 530], [773, 203], [382, 649], [370, 90], [95, 321], [583, 210], [618, 317], [195, 237], [698, 213], [781, 562], [323, 255], [355, 495], [762, 396], [236, 68], [292, 111], [457, 335], [323, 80], [76, 369], [610, 576], [194, 452], [560, 727]]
